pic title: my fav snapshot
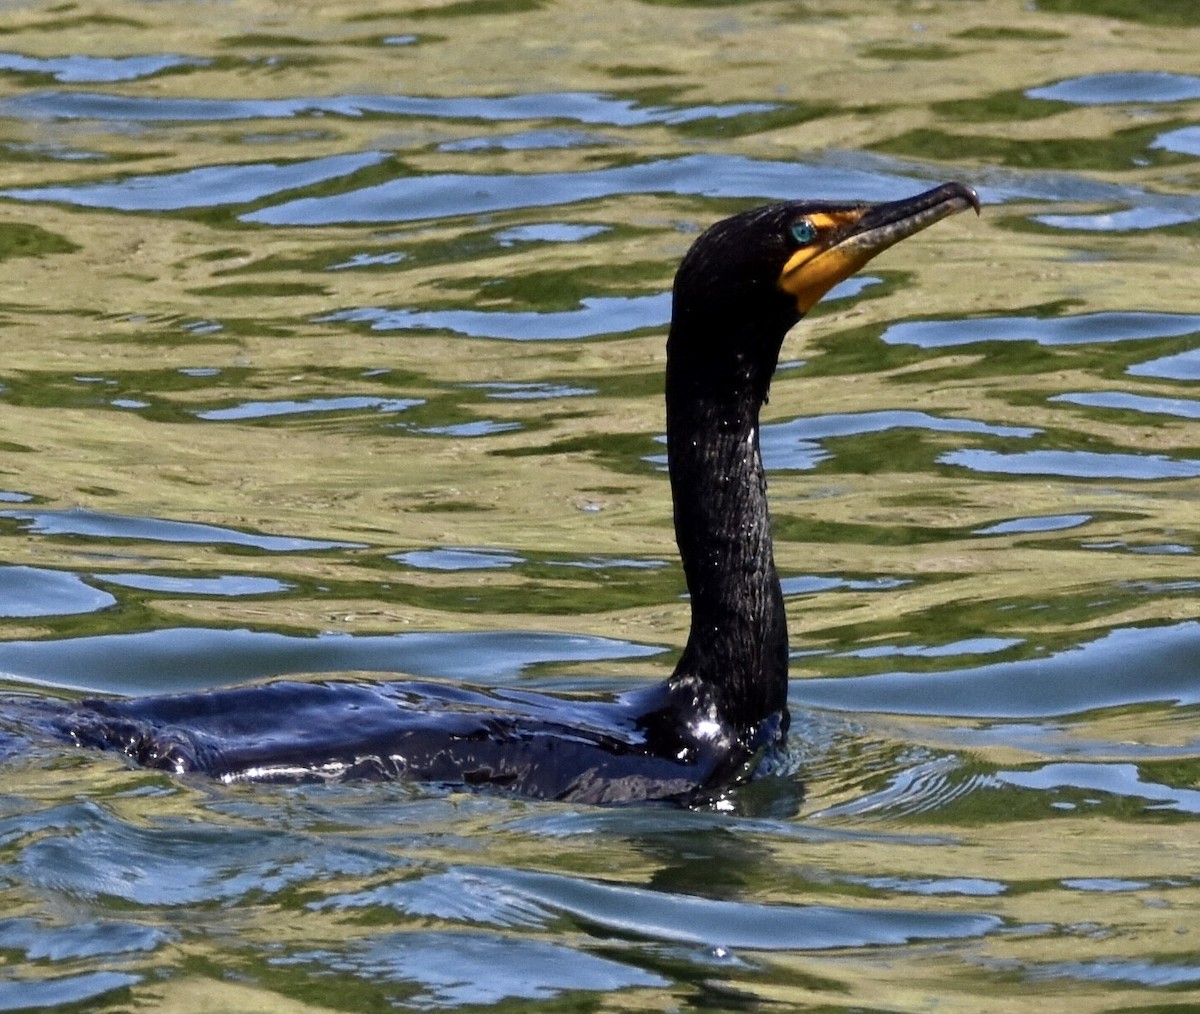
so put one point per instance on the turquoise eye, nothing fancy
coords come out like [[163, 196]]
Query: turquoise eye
[[804, 232]]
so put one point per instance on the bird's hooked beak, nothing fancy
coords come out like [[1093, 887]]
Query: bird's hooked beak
[[846, 238]]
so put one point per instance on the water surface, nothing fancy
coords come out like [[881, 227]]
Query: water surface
[[334, 345]]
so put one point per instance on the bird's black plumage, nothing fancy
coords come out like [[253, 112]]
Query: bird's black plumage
[[744, 283]]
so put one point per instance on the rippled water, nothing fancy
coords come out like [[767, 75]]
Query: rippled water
[[334, 342]]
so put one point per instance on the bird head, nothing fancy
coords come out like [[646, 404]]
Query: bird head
[[747, 279]]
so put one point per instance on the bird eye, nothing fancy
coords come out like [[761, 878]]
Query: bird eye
[[803, 231]]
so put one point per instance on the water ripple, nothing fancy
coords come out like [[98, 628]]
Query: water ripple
[[794, 445], [95, 524], [969, 646], [843, 424], [180, 865], [689, 919], [473, 969], [1133, 86], [581, 107], [1041, 523], [809, 584], [457, 894], [935, 886], [507, 390], [1181, 366], [1158, 974], [1081, 329], [467, 430], [33, 591], [27, 994], [226, 585], [271, 409], [1165, 210], [549, 232], [526, 140], [209, 186], [199, 658], [76, 68], [1185, 140], [1075, 464], [1124, 780], [458, 559], [450, 194], [1127, 666], [79, 940], [928, 785], [1184, 408], [597, 315]]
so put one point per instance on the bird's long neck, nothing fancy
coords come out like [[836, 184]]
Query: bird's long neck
[[737, 647]]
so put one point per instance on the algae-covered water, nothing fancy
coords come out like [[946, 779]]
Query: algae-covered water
[[333, 342]]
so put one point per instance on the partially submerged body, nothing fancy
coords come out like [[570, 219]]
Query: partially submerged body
[[646, 745]]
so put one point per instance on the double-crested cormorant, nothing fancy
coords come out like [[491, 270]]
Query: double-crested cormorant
[[744, 283]]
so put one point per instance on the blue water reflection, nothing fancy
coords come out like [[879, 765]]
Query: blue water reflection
[[95, 524], [973, 887], [472, 969], [1185, 140], [458, 559], [1042, 523], [368, 260], [1123, 87], [581, 107], [970, 646], [271, 409], [795, 445], [200, 188], [198, 658], [467, 430], [1126, 666], [172, 864], [224, 585], [507, 390], [597, 315], [1181, 366], [1155, 974], [679, 918], [1154, 549], [812, 584], [845, 424], [62, 991], [1165, 211], [526, 140], [449, 194], [1074, 464], [76, 69], [1080, 329], [1105, 885], [39, 942], [1111, 779], [33, 591], [549, 232], [1184, 408]]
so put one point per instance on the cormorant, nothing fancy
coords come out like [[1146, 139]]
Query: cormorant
[[740, 288]]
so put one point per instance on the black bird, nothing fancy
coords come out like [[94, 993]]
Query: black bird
[[740, 288]]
